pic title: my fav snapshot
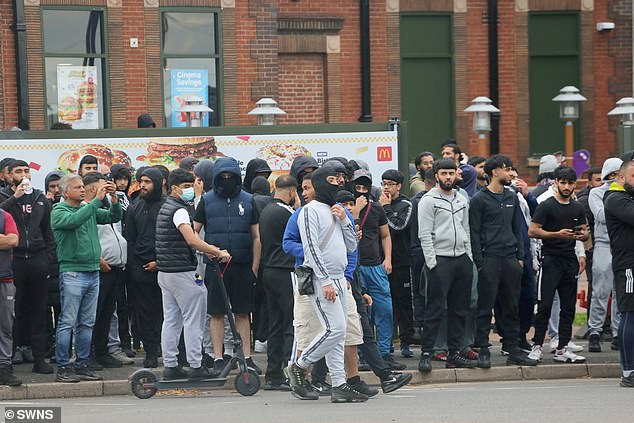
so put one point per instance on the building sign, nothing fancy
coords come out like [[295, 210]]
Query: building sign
[[77, 93], [187, 83], [278, 150]]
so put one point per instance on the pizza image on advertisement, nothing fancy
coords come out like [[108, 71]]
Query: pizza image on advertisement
[[280, 156], [69, 160], [69, 109], [170, 151]]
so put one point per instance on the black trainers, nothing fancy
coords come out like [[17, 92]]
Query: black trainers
[[219, 365], [207, 361], [174, 373], [151, 361], [322, 388], [594, 343], [520, 359], [129, 352], [252, 366], [85, 373], [424, 365], [345, 393], [525, 346], [8, 378], [484, 358], [299, 385], [360, 386], [406, 352], [614, 345], [627, 382], [94, 364], [394, 381], [459, 361], [108, 361], [42, 367], [199, 373], [393, 364], [269, 385], [66, 375]]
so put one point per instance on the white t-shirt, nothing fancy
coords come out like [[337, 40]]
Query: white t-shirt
[[181, 217]]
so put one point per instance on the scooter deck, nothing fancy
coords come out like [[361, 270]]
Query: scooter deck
[[191, 384]]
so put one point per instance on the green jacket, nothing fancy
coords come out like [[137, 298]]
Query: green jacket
[[75, 230]]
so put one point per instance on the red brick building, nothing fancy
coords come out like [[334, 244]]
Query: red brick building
[[429, 59]]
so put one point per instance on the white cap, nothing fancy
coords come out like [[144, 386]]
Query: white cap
[[611, 165], [548, 164]]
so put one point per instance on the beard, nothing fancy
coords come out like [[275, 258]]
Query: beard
[[506, 182], [145, 194], [629, 188], [446, 186], [565, 194]]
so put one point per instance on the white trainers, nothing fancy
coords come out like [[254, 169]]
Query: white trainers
[[574, 347], [260, 347], [554, 343], [567, 356], [120, 355], [537, 353]]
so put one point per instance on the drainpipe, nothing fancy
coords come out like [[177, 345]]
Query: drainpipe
[[21, 64], [366, 96], [494, 93]]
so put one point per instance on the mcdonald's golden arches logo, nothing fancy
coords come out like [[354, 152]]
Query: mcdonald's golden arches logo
[[384, 154]]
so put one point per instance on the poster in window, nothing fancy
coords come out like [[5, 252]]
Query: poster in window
[[186, 83], [77, 96]]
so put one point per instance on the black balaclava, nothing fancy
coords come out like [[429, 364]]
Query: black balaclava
[[228, 187], [366, 183], [325, 192]]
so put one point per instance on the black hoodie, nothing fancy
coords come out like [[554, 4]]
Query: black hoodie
[[140, 227], [619, 217], [55, 175], [254, 167], [298, 170], [145, 121], [36, 236], [261, 193]]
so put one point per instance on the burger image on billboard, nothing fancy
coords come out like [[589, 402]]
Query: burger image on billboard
[[86, 93], [170, 151], [68, 160], [69, 109]]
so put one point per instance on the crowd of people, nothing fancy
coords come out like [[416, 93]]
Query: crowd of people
[[326, 270]]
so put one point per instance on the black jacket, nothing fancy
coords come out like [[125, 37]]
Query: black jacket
[[140, 224], [37, 236], [414, 241], [173, 254], [399, 214], [272, 225], [495, 226], [582, 198], [619, 216]]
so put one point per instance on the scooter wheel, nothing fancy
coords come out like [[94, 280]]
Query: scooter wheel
[[143, 384], [249, 386]]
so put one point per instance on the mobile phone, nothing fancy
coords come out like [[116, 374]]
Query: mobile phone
[[108, 177], [578, 228]]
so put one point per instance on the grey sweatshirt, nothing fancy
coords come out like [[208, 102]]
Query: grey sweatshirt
[[330, 260], [114, 247], [595, 201], [443, 226]]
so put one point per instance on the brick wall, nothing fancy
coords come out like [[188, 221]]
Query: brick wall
[[301, 88]]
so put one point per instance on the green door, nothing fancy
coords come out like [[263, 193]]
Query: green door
[[427, 82], [553, 46]]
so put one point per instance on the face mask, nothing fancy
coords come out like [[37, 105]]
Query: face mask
[[188, 194], [325, 192], [227, 187]]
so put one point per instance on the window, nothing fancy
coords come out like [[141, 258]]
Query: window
[[191, 62], [74, 63]]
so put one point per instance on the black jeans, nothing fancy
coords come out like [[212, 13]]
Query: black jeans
[[449, 283], [499, 278], [418, 288], [124, 312], [558, 274], [526, 304], [278, 289], [149, 304], [31, 296], [260, 315], [109, 285], [401, 290]]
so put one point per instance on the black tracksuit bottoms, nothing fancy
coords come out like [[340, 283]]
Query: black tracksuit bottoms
[[418, 288], [278, 290], [110, 284], [558, 274], [401, 292], [31, 295], [499, 277], [149, 305], [448, 284]]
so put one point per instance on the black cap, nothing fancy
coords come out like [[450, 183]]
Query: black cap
[[344, 196], [6, 162], [393, 175]]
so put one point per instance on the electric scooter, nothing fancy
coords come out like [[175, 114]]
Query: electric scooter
[[145, 383]]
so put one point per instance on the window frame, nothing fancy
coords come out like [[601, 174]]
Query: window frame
[[103, 56], [218, 56]]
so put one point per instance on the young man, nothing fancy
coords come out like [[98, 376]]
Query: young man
[[51, 186], [184, 298], [602, 274], [276, 278], [140, 233], [398, 210], [478, 164], [74, 225], [619, 217], [498, 253], [423, 162], [231, 223], [327, 235], [5, 176], [32, 216], [559, 222], [9, 239], [443, 222], [87, 164]]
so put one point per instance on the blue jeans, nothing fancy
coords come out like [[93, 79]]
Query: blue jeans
[[374, 278], [79, 292]]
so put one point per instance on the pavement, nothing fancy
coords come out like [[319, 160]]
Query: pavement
[[598, 365], [568, 400]]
